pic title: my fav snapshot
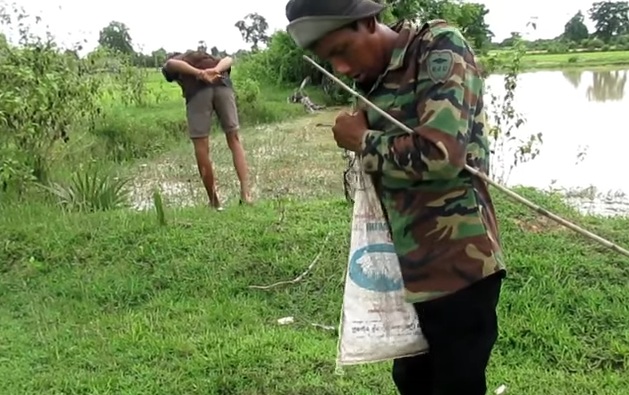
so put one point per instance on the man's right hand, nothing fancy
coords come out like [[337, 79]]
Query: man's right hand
[[209, 75]]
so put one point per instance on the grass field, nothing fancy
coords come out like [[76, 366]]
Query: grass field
[[112, 303], [115, 303], [543, 61]]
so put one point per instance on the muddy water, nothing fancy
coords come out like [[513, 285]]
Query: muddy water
[[581, 115]]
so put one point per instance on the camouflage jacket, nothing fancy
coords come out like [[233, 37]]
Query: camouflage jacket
[[442, 218], [189, 84]]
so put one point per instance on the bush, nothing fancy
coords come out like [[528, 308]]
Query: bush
[[595, 43], [46, 96], [557, 48], [253, 109], [247, 92]]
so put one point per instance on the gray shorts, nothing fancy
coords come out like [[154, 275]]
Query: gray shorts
[[200, 108]]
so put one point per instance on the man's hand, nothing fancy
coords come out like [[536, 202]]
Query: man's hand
[[349, 130], [209, 75]]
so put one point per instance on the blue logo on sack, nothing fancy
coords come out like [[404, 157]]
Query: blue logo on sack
[[370, 275]]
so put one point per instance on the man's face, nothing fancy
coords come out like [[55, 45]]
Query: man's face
[[354, 52]]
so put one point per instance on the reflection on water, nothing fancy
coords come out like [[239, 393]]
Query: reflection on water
[[603, 86], [574, 76], [574, 110], [607, 85]]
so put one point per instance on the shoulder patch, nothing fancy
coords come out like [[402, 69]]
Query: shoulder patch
[[440, 65]]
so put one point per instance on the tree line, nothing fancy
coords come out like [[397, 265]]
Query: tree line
[[610, 19], [611, 31], [470, 17]]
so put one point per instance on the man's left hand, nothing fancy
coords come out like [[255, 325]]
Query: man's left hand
[[210, 75], [349, 130]]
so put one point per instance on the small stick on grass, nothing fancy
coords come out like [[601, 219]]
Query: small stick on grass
[[298, 278]]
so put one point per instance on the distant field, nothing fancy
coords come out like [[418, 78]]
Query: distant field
[[534, 61]]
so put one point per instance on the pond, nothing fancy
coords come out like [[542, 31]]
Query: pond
[[577, 112]]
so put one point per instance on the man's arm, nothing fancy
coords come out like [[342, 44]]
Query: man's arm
[[448, 88], [224, 64], [181, 65]]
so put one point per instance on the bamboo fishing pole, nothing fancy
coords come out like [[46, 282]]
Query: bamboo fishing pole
[[477, 173]]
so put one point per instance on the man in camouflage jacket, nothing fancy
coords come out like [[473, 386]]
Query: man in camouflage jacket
[[442, 219]]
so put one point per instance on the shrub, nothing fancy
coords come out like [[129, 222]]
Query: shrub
[[90, 191], [45, 96]]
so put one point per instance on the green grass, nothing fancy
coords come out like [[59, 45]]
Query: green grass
[[544, 61], [114, 303]]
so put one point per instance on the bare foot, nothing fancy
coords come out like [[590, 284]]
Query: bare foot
[[245, 198], [215, 203], [217, 207]]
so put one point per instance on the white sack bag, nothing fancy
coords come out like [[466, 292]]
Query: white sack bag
[[377, 324]]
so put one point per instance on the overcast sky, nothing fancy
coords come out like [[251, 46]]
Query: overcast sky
[[177, 26]]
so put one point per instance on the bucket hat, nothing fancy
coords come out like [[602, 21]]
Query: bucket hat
[[310, 20]]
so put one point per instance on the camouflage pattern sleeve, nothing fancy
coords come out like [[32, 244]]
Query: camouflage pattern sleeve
[[448, 86]]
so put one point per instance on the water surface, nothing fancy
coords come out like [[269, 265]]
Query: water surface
[[576, 111]]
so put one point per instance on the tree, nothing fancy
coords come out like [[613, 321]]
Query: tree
[[116, 37], [611, 18], [471, 20], [575, 30], [423, 10], [469, 17], [159, 57], [71, 53], [253, 29], [512, 40]]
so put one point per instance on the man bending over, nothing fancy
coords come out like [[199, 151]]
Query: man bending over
[[207, 88]]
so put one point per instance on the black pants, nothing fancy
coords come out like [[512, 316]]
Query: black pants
[[461, 330]]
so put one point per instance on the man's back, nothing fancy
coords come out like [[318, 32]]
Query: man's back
[[201, 60]]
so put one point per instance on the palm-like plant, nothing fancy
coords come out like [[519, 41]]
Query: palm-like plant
[[90, 191]]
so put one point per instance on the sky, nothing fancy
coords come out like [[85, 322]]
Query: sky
[[179, 26]]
